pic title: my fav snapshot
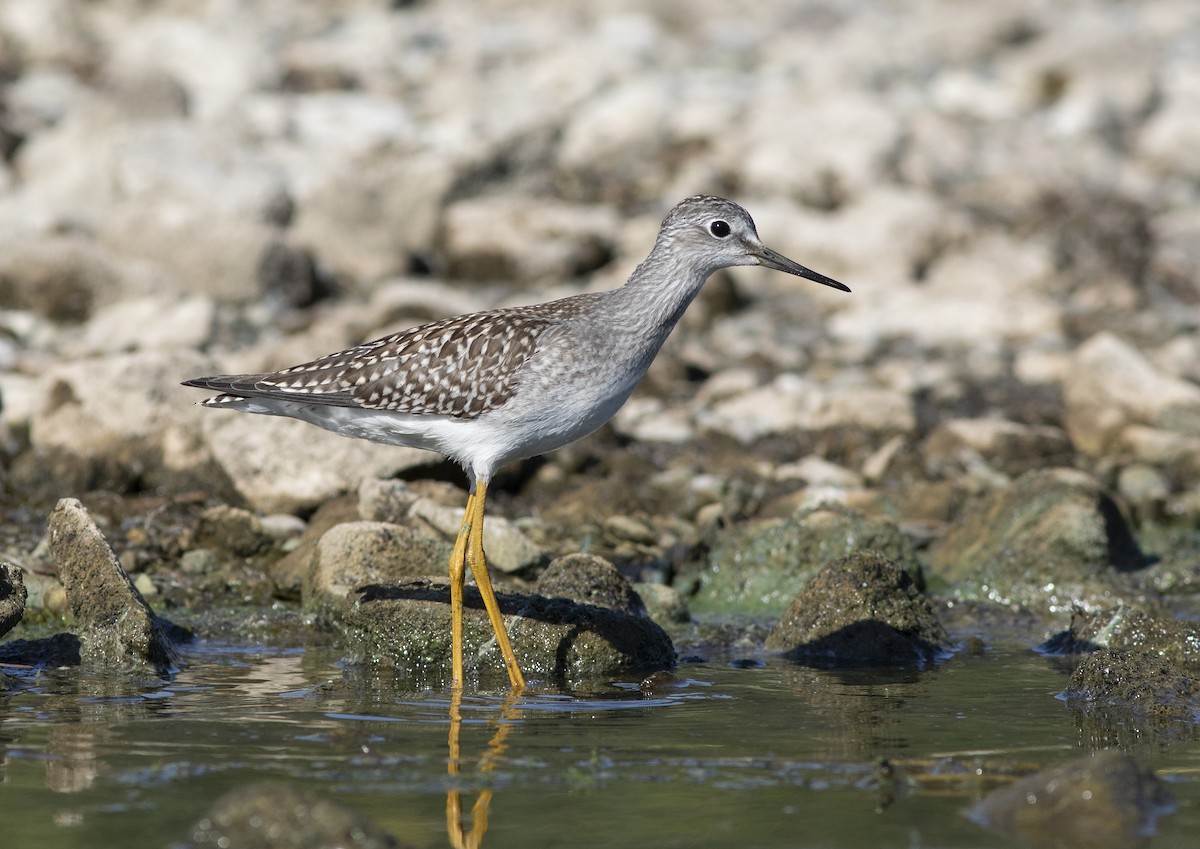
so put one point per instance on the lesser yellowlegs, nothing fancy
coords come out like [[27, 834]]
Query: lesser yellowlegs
[[492, 387]]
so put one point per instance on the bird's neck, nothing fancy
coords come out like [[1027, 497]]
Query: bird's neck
[[658, 292]]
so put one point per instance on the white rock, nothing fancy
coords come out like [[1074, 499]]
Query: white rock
[[527, 240], [787, 403], [146, 324], [282, 465], [87, 406], [1111, 385]]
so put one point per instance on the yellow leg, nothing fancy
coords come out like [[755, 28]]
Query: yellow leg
[[478, 564], [458, 576]]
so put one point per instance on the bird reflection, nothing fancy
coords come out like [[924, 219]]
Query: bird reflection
[[505, 721]]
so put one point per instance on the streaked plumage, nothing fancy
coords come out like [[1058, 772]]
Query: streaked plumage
[[492, 387]]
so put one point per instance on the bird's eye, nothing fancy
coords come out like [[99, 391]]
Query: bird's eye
[[720, 229]]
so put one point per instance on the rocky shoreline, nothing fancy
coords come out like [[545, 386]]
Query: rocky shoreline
[[1001, 425]]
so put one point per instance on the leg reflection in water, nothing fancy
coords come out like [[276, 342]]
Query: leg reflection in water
[[506, 721]]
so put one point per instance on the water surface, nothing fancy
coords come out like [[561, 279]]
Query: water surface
[[732, 753]]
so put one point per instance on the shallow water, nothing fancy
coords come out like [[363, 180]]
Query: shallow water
[[732, 754]]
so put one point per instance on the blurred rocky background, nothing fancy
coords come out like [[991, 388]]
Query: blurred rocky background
[[1008, 405]]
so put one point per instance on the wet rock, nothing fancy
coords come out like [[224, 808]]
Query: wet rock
[[1049, 540], [1111, 385], [589, 579], [1127, 628], [12, 597], [1146, 685], [354, 554], [272, 815], [762, 570], [862, 609], [540, 240], [116, 627], [1105, 801], [407, 625]]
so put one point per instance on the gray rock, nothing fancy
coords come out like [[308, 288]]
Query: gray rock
[[664, 604], [352, 555], [863, 610], [761, 570], [407, 626], [369, 215], [232, 531], [273, 815], [117, 629], [961, 446]]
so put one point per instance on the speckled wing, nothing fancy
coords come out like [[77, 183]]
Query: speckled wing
[[458, 367]]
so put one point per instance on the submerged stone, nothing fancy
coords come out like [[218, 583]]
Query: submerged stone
[[274, 815], [861, 610], [762, 571], [407, 625], [1105, 801]]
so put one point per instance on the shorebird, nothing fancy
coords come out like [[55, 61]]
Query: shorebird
[[489, 388]]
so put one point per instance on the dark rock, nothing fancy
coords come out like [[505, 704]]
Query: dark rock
[[116, 627], [1140, 682], [407, 625], [272, 815], [1106, 801], [50, 652], [1050, 539], [12, 597], [863, 610], [589, 579], [762, 571], [354, 554]]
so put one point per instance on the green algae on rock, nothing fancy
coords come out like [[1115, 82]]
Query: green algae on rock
[[1049, 540], [761, 571]]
